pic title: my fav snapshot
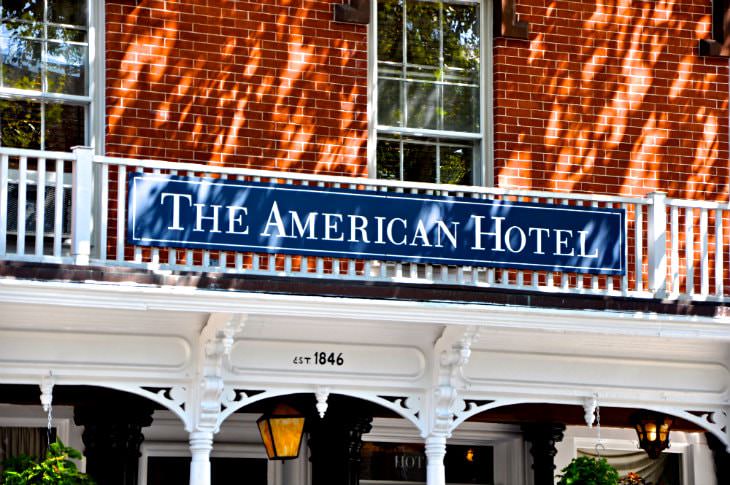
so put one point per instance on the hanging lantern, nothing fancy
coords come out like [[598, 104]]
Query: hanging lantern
[[653, 430], [281, 431]]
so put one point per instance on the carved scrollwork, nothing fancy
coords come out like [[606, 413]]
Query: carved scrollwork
[[408, 404], [171, 397]]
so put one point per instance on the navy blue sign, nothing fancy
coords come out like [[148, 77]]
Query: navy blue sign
[[227, 215]]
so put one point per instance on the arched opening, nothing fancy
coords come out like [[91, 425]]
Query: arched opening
[[106, 425], [554, 434]]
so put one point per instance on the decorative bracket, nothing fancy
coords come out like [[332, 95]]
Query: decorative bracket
[[590, 404], [453, 350], [216, 342], [47, 383], [322, 393], [356, 12]]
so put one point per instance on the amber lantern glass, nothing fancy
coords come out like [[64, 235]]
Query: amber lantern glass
[[652, 429], [281, 431]]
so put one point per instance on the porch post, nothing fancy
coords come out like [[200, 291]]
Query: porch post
[[435, 452], [201, 444], [543, 437], [81, 203]]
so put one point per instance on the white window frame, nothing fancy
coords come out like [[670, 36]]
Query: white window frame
[[93, 102], [220, 450], [505, 439], [483, 169]]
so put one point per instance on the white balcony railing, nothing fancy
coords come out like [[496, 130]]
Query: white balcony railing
[[675, 248]]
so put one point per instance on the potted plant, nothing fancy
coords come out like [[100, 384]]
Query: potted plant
[[56, 469], [632, 479], [585, 470]]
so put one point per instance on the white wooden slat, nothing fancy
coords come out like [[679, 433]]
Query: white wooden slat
[[22, 195], [594, 278], [624, 283], [704, 254], [3, 204], [689, 251], [121, 196], [189, 255], [674, 257], [638, 247], [271, 267], [719, 253], [138, 249], [58, 209], [155, 252], [103, 208], [40, 206], [304, 265]]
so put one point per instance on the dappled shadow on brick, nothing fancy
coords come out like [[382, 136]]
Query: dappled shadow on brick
[[612, 97], [272, 85]]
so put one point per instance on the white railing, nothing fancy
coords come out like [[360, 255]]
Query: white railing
[[666, 256]]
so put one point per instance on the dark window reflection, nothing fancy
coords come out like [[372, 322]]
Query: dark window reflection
[[419, 162], [65, 127], [425, 160], [65, 68], [22, 9], [72, 12], [20, 124], [388, 156]]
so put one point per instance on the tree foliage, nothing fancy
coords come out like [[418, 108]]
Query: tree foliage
[[56, 469]]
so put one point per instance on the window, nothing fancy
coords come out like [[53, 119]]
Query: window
[[429, 74], [44, 74]]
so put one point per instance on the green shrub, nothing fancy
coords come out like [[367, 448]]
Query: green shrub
[[56, 469], [588, 471]]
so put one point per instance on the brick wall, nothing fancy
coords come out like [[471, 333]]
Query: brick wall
[[612, 97], [604, 97], [274, 84]]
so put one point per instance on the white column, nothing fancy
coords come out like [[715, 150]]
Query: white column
[[435, 452], [201, 444], [81, 202]]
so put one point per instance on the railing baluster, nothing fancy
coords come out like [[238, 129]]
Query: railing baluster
[[40, 206], [638, 246], [58, 209], [103, 212], [121, 196], [138, 249], [719, 252], [155, 251], [689, 251], [22, 195], [675, 250], [704, 255], [3, 204]]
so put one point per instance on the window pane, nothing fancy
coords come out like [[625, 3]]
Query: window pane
[[390, 31], [21, 57], [423, 105], [388, 159], [23, 9], [20, 124], [65, 68], [422, 34], [461, 40], [461, 105], [389, 102], [72, 12], [419, 162], [64, 126], [456, 165]]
